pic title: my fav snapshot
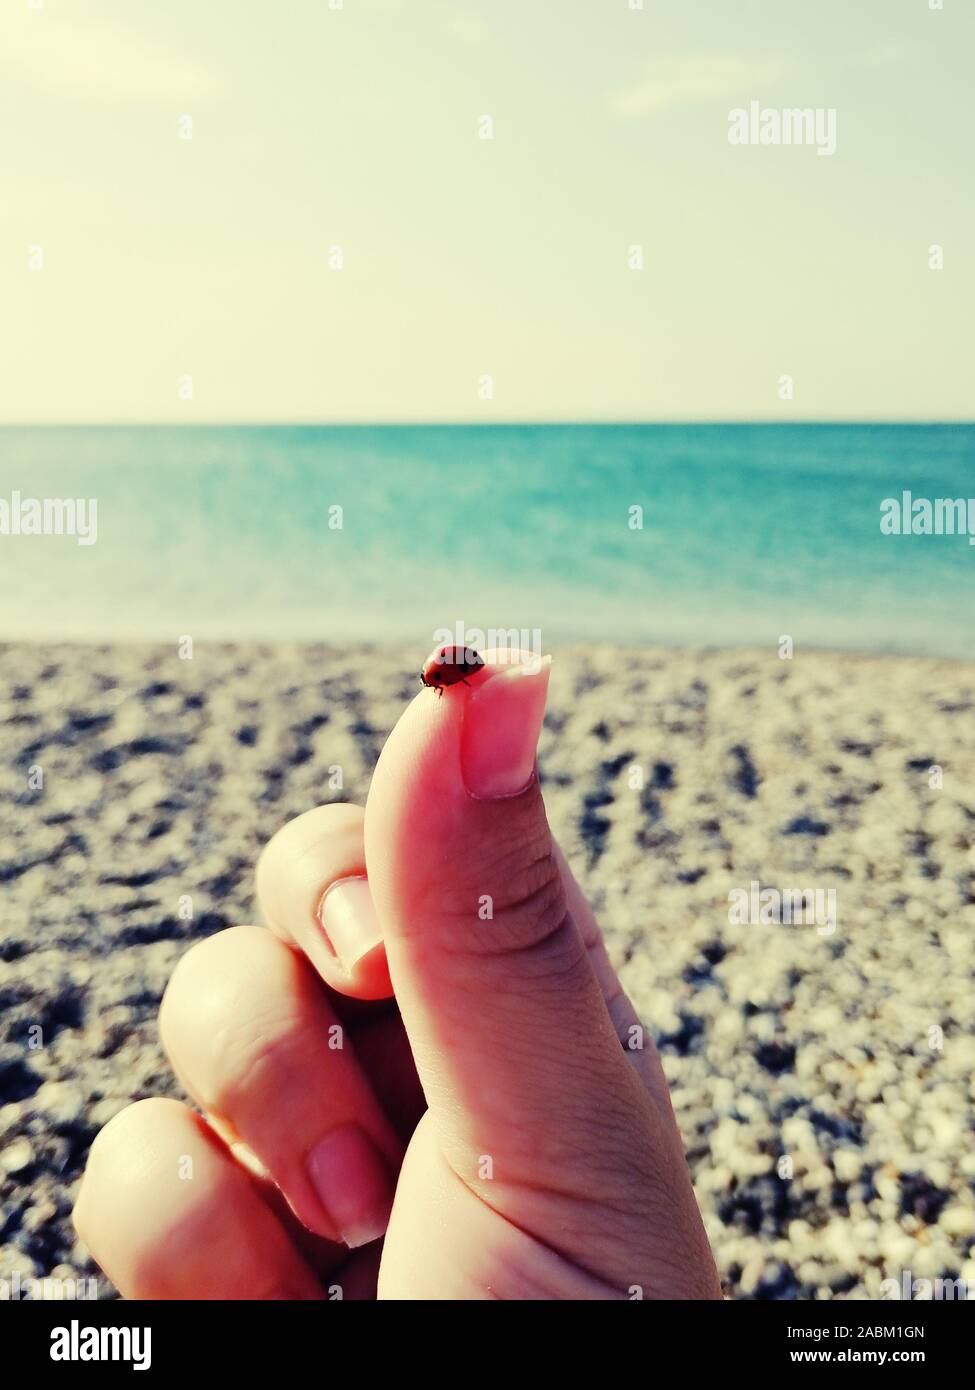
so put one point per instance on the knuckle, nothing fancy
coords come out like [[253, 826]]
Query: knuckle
[[123, 1159], [132, 1126], [246, 1060], [228, 1015], [528, 913], [200, 981], [341, 821]]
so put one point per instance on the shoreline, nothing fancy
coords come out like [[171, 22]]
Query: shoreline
[[573, 648]]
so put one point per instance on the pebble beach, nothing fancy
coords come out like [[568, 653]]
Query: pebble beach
[[822, 1074]]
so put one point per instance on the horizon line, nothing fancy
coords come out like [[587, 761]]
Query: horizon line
[[467, 423]]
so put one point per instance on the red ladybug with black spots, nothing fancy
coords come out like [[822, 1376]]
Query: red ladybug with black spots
[[450, 666]]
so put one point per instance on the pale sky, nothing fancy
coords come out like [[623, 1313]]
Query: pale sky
[[357, 127]]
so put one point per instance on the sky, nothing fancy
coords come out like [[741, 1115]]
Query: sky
[[337, 242]]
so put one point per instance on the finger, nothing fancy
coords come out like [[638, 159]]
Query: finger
[[533, 1100], [632, 1033], [311, 884], [168, 1214], [251, 1034], [319, 857], [486, 961]]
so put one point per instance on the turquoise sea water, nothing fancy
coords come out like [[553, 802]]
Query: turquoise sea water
[[750, 531]]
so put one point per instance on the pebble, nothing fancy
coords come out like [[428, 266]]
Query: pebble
[[17, 1156], [958, 1221]]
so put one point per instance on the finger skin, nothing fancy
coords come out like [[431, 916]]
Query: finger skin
[[499, 1260], [534, 1102], [494, 1007], [168, 1214], [634, 1036], [299, 864], [250, 1032]]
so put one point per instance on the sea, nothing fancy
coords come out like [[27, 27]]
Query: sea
[[697, 535]]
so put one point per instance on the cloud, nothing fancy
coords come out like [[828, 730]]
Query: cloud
[[687, 81], [96, 62]]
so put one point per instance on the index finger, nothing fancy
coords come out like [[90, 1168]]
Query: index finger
[[313, 890]]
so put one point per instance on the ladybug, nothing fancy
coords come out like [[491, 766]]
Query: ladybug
[[449, 666]]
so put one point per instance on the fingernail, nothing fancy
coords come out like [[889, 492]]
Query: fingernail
[[353, 1184], [349, 920], [502, 721]]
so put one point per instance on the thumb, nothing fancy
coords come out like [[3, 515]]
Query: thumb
[[533, 1101]]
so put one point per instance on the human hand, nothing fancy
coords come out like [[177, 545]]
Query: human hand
[[480, 1112]]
